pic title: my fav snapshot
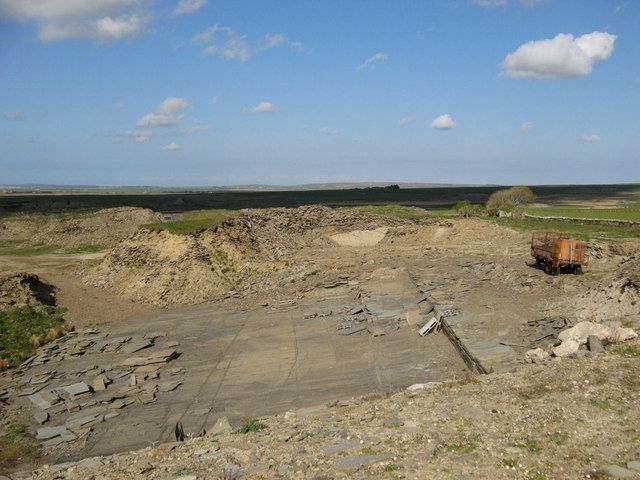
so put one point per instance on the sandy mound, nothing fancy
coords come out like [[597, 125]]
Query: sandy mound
[[616, 296], [25, 289], [105, 227], [162, 268], [360, 238]]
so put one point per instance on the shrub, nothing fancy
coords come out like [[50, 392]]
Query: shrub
[[510, 198], [468, 209]]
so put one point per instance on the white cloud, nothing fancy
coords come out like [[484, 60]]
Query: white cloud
[[327, 131], [188, 6], [443, 122], [406, 120], [216, 98], [262, 107], [197, 127], [525, 127], [591, 138], [273, 40], [173, 146], [16, 115], [168, 113], [101, 20], [225, 43], [563, 56], [378, 57]]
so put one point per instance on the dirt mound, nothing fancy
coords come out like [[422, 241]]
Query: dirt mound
[[25, 289], [105, 227], [163, 268], [616, 296], [360, 238]]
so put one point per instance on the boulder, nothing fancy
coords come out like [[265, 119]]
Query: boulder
[[536, 355], [621, 334], [581, 331], [566, 348]]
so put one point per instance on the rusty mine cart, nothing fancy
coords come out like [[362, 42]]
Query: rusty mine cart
[[554, 252]]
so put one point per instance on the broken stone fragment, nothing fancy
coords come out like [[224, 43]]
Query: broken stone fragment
[[169, 386], [45, 400], [100, 383], [137, 346], [621, 334], [594, 344], [41, 417], [76, 389], [567, 347], [221, 427], [46, 433], [536, 355], [581, 331]]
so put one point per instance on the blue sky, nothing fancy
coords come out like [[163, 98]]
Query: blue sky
[[196, 92]]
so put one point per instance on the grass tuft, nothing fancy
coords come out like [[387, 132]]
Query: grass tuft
[[193, 221], [17, 445], [251, 425], [21, 326]]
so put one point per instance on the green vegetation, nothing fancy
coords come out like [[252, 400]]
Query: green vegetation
[[251, 425], [575, 230], [391, 210], [392, 467], [16, 445], [628, 212], [468, 209], [531, 445], [510, 198], [466, 444], [602, 404], [19, 326], [85, 248], [630, 351], [193, 221], [37, 250]]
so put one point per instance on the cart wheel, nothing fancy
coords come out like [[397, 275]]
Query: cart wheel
[[555, 271], [547, 269], [578, 269]]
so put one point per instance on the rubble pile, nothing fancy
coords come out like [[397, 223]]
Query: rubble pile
[[581, 339], [616, 296], [110, 374], [25, 289], [163, 268]]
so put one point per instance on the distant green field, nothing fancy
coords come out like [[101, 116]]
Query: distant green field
[[399, 211], [193, 221], [574, 230], [234, 200], [630, 212]]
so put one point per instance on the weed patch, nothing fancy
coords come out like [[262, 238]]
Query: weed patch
[[17, 445], [21, 325], [251, 425]]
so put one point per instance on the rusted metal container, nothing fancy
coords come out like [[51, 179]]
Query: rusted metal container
[[554, 252]]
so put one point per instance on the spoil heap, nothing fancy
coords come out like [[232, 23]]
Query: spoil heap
[[25, 289], [164, 268]]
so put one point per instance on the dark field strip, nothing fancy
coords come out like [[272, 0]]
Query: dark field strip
[[183, 202]]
